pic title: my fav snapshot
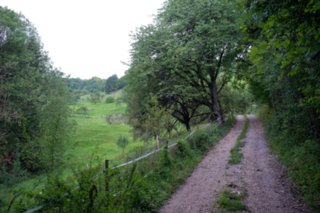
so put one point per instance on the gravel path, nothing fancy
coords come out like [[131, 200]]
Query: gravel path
[[259, 174], [208, 179], [264, 177]]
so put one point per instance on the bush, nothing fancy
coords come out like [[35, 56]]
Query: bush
[[95, 98], [182, 150], [122, 142], [200, 140], [110, 99], [80, 196], [15, 175], [83, 110]]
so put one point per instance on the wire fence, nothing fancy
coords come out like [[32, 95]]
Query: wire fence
[[38, 208]]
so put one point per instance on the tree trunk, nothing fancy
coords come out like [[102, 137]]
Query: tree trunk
[[216, 107], [157, 141], [187, 124]]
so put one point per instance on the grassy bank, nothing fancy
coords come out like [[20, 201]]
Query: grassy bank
[[301, 158], [142, 187]]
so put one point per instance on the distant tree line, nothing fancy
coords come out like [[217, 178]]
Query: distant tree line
[[93, 85], [34, 112], [96, 85], [113, 83]]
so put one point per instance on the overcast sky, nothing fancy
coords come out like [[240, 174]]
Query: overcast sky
[[87, 38]]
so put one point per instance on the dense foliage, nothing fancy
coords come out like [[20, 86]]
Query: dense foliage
[[285, 54], [94, 86], [33, 101], [185, 60], [84, 86], [113, 83]]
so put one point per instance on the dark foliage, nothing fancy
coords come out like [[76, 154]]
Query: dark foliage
[[33, 99]]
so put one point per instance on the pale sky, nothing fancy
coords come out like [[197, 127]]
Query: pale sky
[[86, 38]]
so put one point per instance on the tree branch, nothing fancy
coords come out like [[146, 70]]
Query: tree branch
[[222, 85], [219, 63]]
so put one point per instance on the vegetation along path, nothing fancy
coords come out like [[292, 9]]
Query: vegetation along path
[[259, 175]]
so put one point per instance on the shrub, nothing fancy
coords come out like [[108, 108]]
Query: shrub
[[83, 110], [122, 142], [200, 140], [110, 99], [95, 98], [182, 150]]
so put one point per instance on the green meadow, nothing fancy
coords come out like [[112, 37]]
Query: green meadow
[[94, 136], [93, 141]]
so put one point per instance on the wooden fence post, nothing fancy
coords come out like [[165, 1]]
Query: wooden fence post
[[107, 178]]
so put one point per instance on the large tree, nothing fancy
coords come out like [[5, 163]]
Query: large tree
[[185, 59], [33, 97], [111, 84], [205, 42]]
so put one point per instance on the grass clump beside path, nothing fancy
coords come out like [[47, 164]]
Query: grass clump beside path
[[231, 200], [236, 155]]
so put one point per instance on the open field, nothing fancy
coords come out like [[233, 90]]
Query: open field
[[93, 139], [94, 136]]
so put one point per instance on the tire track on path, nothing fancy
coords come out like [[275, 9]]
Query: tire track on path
[[269, 191]]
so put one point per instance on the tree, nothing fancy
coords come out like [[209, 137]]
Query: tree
[[95, 98], [154, 123], [185, 59], [56, 128], [285, 52], [122, 82], [92, 85], [33, 96], [111, 84], [205, 45]]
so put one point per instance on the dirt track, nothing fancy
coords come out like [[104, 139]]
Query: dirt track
[[259, 174]]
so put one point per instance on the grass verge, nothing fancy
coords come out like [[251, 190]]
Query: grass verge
[[142, 187], [236, 154]]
